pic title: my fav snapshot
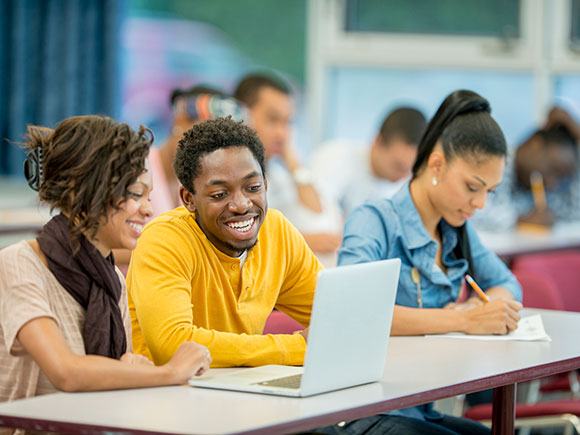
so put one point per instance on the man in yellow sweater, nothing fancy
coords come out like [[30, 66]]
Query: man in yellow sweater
[[213, 270]]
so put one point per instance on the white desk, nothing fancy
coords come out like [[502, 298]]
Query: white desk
[[514, 242], [418, 370]]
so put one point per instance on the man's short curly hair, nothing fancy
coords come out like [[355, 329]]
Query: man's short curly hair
[[209, 136]]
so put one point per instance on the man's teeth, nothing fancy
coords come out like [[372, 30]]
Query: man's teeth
[[242, 226], [138, 227]]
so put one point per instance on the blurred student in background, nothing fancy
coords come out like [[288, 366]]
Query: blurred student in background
[[351, 174], [190, 106], [65, 323], [551, 155], [291, 187], [461, 158]]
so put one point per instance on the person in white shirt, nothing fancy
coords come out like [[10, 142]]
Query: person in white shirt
[[351, 174], [291, 187]]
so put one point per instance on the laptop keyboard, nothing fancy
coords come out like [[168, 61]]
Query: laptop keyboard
[[285, 382]]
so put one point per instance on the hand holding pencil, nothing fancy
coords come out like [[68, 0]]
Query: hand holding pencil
[[499, 316], [538, 191], [540, 218]]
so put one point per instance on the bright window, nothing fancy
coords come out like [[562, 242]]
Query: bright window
[[361, 97], [366, 56]]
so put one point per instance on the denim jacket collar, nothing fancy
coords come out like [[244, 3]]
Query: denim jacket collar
[[415, 233]]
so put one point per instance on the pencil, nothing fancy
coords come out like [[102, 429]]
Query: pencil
[[477, 288], [538, 192]]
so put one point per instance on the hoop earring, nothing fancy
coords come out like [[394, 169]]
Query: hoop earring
[[434, 181]]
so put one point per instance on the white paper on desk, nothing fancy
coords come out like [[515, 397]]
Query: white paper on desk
[[529, 329]]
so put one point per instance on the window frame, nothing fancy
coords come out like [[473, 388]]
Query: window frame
[[542, 49]]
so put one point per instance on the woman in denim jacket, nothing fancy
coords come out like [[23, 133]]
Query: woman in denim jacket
[[461, 160]]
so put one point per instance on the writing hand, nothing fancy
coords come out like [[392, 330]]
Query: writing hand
[[499, 316]]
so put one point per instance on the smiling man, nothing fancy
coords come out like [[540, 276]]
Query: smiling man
[[213, 270]]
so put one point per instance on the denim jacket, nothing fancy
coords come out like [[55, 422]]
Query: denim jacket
[[392, 228]]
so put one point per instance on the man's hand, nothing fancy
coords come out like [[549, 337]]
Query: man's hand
[[323, 242], [290, 160], [303, 333]]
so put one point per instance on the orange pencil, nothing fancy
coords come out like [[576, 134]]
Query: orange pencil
[[477, 288], [538, 192]]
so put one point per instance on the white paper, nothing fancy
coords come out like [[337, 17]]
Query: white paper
[[529, 329]]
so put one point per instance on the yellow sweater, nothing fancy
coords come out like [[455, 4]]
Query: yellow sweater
[[182, 288]]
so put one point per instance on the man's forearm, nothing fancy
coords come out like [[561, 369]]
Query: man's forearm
[[308, 197], [230, 349]]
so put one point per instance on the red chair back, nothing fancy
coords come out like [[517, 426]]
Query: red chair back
[[539, 291], [280, 323], [524, 410], [561, 267]]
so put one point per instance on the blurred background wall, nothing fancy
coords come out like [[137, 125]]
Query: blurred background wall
[[181, 43], [348, 61], [57, 59]]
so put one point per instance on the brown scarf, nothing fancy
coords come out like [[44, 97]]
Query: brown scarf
[[92, 281]]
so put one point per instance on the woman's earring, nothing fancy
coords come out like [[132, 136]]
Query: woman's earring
[[434, 181]]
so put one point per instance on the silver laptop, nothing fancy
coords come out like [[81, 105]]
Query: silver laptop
[[347, 341]]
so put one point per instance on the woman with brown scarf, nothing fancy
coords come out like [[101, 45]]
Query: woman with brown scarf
[[64, 321]]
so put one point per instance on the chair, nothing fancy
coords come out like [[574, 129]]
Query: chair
[[557, 413], [280, 323], [540, 290], [562, 267], [546, 278], [564, 382]]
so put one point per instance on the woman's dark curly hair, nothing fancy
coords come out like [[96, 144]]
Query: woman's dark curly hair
[[208, 136], [88, 162]]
